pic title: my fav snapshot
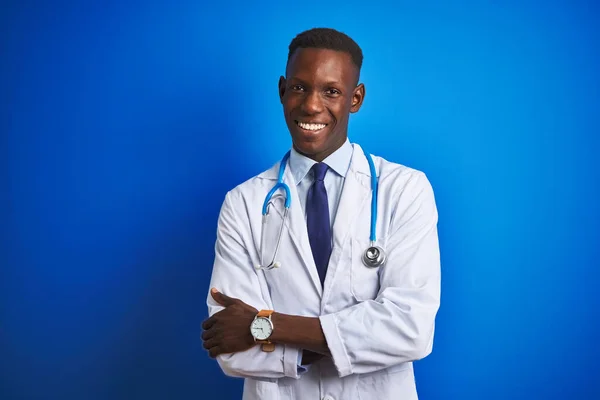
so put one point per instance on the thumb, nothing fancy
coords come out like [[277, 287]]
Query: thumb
[[221, 298]]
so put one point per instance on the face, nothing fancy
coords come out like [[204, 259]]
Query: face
[[318, 94]]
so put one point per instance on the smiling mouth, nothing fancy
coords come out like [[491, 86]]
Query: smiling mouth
[[311, 126]]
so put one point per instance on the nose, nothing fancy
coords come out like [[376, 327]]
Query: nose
[[312, 103]]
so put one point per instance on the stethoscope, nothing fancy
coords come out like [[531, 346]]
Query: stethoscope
[[373, 257]]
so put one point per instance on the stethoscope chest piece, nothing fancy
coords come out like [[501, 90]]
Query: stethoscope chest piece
[[374, 256]]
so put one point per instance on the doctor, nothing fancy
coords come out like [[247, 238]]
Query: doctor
[[323, 324]]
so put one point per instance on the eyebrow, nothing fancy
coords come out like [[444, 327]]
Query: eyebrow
[[328, 83]]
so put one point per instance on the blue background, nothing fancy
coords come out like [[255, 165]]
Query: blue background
[[124, 124]]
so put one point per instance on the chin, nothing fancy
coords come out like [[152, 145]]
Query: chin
[[309, 142], [307, 148]]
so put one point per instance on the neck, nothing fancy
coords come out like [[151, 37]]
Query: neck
[[320, 156]]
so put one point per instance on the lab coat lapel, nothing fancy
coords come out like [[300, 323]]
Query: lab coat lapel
[[355, 193], [296, 228]]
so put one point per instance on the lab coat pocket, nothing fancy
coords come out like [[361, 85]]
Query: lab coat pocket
[[393, 383], [258, 389], [364, 281]]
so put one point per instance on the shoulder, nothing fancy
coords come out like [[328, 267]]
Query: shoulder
[[400, 177], [247, 190], [407, 192]]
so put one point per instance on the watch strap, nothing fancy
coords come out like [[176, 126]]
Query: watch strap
[[264, 313], [268, 347]]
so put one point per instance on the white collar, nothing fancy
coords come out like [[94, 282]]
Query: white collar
[[338, 161]]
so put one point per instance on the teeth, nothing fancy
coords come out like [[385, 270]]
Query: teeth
[[311, 127]]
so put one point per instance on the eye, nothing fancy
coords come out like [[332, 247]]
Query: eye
[[298, 88], [333, 92]]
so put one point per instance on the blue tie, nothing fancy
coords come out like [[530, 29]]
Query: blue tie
[[317, 220]]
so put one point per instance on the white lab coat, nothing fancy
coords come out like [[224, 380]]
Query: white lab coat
[[376, 321]]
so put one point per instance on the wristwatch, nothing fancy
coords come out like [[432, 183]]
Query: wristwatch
[[261, 329]]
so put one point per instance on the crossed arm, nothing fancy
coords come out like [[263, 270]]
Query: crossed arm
[[228, 331]]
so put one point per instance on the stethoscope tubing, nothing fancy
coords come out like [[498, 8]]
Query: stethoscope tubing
[[368, 260]]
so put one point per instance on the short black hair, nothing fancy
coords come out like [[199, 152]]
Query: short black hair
[[327, 38]]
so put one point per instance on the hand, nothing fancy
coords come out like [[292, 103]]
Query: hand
[[228, 331]]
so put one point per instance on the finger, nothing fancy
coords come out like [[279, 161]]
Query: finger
[[210, 343], [208, 334], [207, 324], [214, 352], [222, 299]]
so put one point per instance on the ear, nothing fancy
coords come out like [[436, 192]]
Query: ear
[[357, 98], [282, 83]]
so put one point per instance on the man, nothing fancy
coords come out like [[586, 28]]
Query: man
[[324, 325]]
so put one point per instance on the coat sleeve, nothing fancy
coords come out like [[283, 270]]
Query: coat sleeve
[[398, 325], [234, 275]]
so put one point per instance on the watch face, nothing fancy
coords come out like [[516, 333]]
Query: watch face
[[261, 328]]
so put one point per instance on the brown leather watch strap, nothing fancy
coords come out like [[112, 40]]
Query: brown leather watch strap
[[268, 347], [264, 313]]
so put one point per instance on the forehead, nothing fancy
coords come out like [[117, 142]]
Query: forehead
[[322, 65]]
